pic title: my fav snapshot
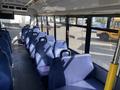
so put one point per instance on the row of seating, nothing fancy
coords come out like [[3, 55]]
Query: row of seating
[[42, 47], [5, 60], [53, 59]]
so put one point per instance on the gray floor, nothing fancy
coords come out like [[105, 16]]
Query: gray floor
[[24, 72]]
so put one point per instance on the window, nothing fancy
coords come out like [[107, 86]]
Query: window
[[44, 24], [99, 22], [57, 19], [51, 25], [72, 21], [102, 49], [81, 21], [77, 37], [115, 23], [61, 32], [62, 19]]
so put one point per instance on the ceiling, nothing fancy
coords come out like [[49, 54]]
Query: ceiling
[[67, 7], [14, 2]]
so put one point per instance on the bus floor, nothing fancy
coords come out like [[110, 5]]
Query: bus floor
[[25, 76]]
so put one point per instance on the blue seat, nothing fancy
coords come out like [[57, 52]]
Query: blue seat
[[27, 38], [82, 67], [50, 42], [24, 31], [5, 73], [33, 38], [5, 83], [56, 49], [46, 60], [6, 36], [36, 29], [78, 61], [39, 48], [33, 46], [6, 48], [4, 62]]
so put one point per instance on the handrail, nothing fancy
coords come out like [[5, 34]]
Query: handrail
[[111, 77]]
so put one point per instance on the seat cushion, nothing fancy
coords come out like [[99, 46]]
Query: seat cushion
[[72, 88], [88, 84]]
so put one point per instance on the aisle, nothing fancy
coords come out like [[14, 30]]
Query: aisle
[[24, 72]]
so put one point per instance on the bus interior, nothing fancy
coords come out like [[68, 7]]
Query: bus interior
[[59, 44]]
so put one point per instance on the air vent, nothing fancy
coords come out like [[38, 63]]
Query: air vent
[[5, 6], [13, 8], [19, 8]]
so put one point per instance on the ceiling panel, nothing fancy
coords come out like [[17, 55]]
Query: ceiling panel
[[16, 2], [76, 6]]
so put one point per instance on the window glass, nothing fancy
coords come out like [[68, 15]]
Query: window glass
[[77, 39], [33, 22], [102, 48], [51, 25], [62, 19], [60, 32], [115, 23], [100, 22], [44, 24], [14, 25], [72, 21], [57, 19], [81, 21]]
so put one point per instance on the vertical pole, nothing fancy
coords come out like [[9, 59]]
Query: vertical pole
[[55, 28], [76, 20], [41, 24], [47, 25], [60, 19], [88, 35], [108, 22], [30, 20], [67, 30], [111, 77], [37, 21]]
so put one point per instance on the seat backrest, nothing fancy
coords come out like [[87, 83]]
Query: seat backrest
[[50, 42], [6, 34], [36, 29], [6, 48], [40, 44], [41, 34], [50, 39], [4, 63], [78, 69], [33, 38], [56, 49], [56, 78], [5, 73], [59, 46], [5, 83]]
